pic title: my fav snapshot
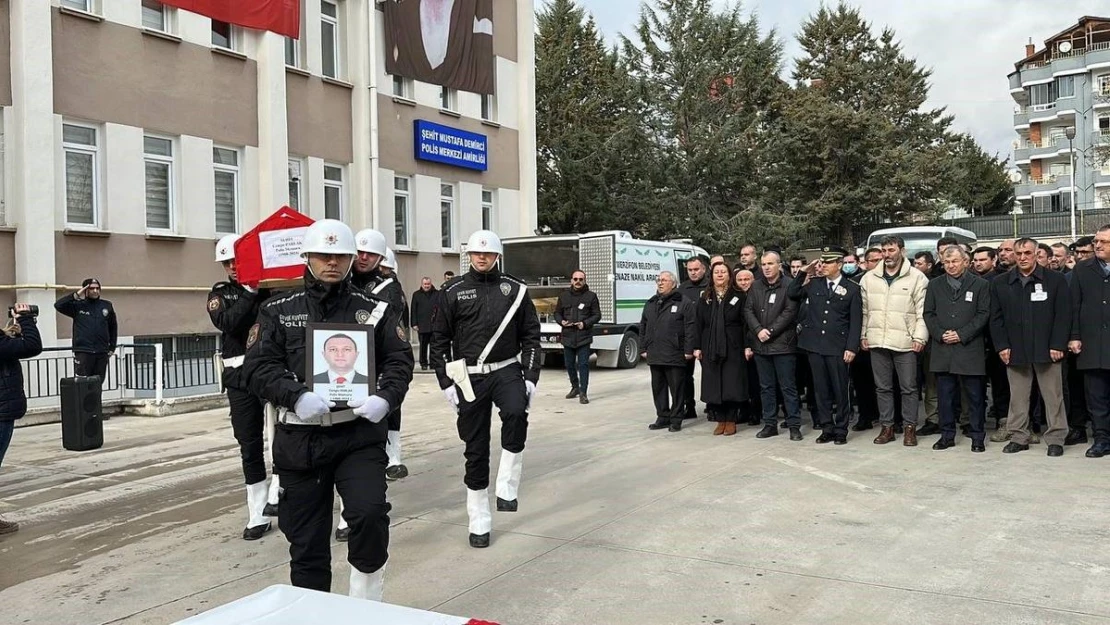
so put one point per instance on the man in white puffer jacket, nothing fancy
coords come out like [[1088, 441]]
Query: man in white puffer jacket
[[894, 332]]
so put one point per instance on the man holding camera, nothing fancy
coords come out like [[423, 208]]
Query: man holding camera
[[94, 328], [18, 339]]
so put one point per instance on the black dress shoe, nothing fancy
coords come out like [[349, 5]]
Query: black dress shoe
[[928, 428], [767, 432], [862, 426], [676, 425], [659, 424], [825, 437], [396, 472], [944, 444], [796, 434], [572, 394], [1055, 450], [755, 420], [479, 541], [898, 429], [504, 505], [270, 509], [841, 439], [1099, 449], [256, 532], [978, 447], [582, 399], [342, 534], [1075, 437], [1013, 448]]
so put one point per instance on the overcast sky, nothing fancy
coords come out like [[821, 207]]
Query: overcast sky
[[971, 45]]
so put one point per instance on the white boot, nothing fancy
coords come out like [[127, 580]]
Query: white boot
[[508, 480], [256, 501], [393, 448], [367, 585], [477, 510], [273, 495]]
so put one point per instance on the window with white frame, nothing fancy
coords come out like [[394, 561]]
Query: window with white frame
[[447, 98], [295, 184], [447, 216], [1065, 86], [225, 164], [1103, 84], [1104, 124], [82, 157], [80, 5], [157, 16], [488, 215], [329, 38], [402, 87], [292, 52], [333, 192], [224, 36], [158, 165], [489, 107], [401, 204]]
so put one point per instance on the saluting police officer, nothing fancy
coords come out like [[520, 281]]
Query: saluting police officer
[[233, 309], [830, 335], [487, 320], [316, 449]]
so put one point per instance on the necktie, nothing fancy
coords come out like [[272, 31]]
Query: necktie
[[830, 286], [341, 380]]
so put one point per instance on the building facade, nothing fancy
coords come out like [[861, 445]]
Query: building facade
[[136, 134], [1061, 89]]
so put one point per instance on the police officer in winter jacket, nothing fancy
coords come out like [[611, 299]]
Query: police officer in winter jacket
[[488, 322], [94, 328], [577, 311], [668, 329], [317, 449], [233, 309]]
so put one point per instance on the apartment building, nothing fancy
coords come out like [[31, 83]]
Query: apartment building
[[135, 134], [1062, 117]]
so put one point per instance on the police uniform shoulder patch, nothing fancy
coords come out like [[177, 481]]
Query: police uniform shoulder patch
[[252, 336], [362, 316], [214, 303], [506, 288], [104, 311]]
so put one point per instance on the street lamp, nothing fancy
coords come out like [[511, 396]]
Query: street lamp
[[1069, 132]]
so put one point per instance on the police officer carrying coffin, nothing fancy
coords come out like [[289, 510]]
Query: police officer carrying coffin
[[487, 320], [233, 309], [316, 449], [830, 335]]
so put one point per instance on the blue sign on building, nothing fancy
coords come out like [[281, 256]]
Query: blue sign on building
[[451, 146]]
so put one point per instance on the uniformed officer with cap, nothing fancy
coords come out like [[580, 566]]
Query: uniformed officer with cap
[[317, 449], [233, 309], [830, 336], [489, 323]]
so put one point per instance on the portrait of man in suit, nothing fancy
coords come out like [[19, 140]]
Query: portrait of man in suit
[[443, 42], [340, 353]]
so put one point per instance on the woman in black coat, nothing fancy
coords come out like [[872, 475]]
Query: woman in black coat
[[19, 339], [721, 349]]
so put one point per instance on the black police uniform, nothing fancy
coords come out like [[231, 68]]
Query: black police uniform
[[389, 289], [94, 332], [471, 309], [313, 459], [831, 326], [233, 310]]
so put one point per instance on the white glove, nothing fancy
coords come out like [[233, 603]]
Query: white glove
[[530, 388], [452, 395], [312, 406], [249, 289], [373, 407]]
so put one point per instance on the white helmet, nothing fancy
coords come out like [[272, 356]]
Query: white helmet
[[371, 241], [485, 241], [390, 260], [328, 236], [225, 247]]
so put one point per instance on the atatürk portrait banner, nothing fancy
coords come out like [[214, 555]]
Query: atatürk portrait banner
[[443, 42]]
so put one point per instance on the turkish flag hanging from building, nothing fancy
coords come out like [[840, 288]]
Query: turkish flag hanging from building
[[280, 16]]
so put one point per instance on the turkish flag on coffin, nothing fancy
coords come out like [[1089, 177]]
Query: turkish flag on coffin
[[280, 16], [271, 251]]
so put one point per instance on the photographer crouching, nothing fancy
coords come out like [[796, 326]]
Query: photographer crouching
[[20, 339]]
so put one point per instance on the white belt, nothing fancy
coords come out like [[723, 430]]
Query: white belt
[[230, 363], [288, 417], [488, 369]]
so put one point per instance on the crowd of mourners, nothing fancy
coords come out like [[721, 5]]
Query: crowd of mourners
[[936, 344]]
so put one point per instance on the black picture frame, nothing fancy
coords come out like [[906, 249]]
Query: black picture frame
[[323, 367]]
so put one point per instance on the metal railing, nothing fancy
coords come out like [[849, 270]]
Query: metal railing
[[134, 372]]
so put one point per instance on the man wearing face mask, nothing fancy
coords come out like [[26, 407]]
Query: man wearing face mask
[[317, 450]]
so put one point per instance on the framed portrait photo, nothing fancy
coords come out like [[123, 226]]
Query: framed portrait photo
[[340, 361]]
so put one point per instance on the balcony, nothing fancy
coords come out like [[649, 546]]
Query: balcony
[[1078, 58], [1036, 71], [1047, 183]]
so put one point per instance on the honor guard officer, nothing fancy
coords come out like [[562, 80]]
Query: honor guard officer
[[830, 336], [487, 320], [233, 309], [315, 449]]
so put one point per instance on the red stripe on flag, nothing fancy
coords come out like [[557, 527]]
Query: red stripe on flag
[[279, 16]]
